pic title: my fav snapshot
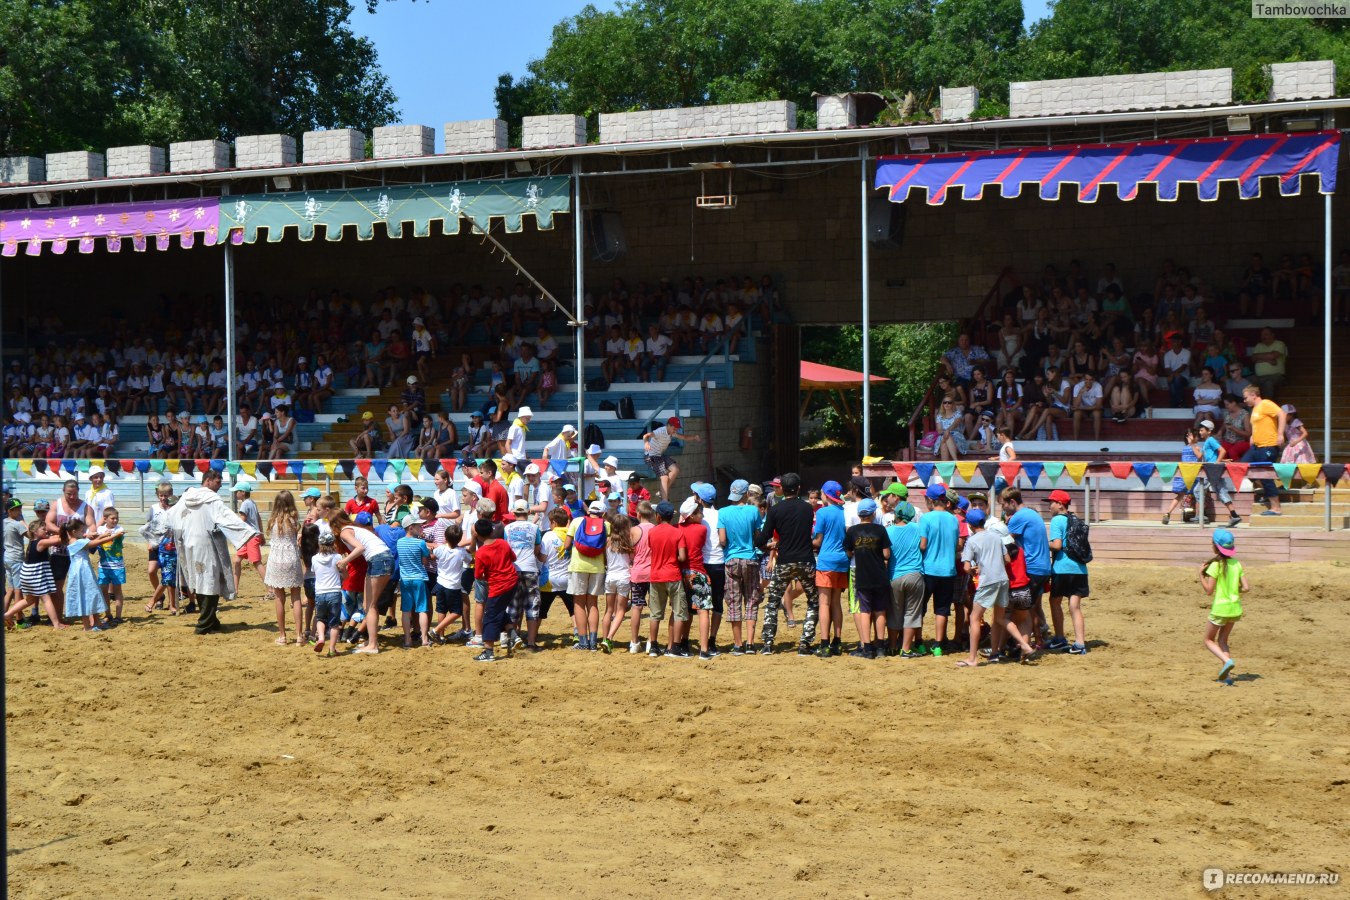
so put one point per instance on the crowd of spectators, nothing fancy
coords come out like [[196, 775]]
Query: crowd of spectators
[[66, 397], [1072, 349]]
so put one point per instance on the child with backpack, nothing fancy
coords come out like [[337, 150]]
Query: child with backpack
[[586, 540], [1069, 554], [1224, 579]]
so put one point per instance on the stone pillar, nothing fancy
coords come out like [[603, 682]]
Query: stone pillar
[[198, 156], [1303, 80], [403, 140], [22, 170], [475, 136], [334, 145], [836, 111], [78, 165], [253, 151], [553, 131], [959, 103], [141, 159]]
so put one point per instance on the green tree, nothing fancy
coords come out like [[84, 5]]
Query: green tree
[[92, 74]]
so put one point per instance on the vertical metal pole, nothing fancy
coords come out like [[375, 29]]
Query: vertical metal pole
[[1087, 498], [230, 357], [141, 476], [579, 315], [1326, 354], [866, 308]]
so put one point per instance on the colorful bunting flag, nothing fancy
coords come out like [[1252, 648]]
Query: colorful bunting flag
[[399, 466], [967, 469], [250, 468], [348, 467], [330, 466], [281, 467], [945, 470], [1309, 472], [26, 465], [988, 471], [1285, 472], [902, 471], [1214, 473], [1121, 470], [1237, 471], [265, 469], [379, 466], [1010, 470], [1145, 471], [69, 466], [924, 471], [415, 466], [11, 465], [142, 466], [1189, 472], [1076, 471], [233, 468], [128, 466], [363, 466], [1053, 470], [158, 465], [40, 465], [1334, 472], [1033, 471]]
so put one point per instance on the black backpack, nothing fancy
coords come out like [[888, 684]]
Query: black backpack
[[594, 435], [608, 406], [627, 410], [1076, 543], [598, 385]]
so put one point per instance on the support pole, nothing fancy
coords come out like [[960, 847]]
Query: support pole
[[579, 315], [1326, 355], [866, 309], [230, 357]]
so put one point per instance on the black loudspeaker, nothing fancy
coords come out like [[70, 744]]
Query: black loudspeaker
[[885, 221], [607, 240]]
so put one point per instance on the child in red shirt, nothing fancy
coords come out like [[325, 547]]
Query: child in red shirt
[[696, 584], [1020, 599], [494, 563]]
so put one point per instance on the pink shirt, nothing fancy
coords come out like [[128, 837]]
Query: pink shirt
[[641, 573]]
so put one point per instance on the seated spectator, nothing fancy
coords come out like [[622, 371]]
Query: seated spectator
[[1009, 396], [1011, 344], [614, 363], [548, 381], [981, 396], [1207, 395], [951, 442], [961, 359], [1125, 400], [656, 358], [525, 375], [1088, 401], [1255, 287], [1176, 368], [1269, 357], [1201, 330], [710, 330]]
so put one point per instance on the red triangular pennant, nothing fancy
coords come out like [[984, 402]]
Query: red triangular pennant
[[202, 465], [449, 466], [363, 466], [1122, 470], [903, 471], [281, 467], [1236, 472], [1010, 471], [128, 465]]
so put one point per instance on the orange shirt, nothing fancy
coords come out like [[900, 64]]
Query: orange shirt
[[1265, 424]]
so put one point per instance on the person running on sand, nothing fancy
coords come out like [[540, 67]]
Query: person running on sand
[[1225, 580]]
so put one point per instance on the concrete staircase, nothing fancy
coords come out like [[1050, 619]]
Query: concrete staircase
[[1304, 384]]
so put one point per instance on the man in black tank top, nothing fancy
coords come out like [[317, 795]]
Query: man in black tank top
[[787, 531]]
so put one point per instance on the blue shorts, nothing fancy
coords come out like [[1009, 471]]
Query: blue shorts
[[112, 576], [309, 588], [328, 609], [168, 568], [380, 566], [352, 603], [414, 596]]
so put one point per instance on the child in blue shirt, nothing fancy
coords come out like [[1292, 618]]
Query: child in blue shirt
[[413, 556], [1069, 578]]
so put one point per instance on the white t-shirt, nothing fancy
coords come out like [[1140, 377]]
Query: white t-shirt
[[515, 440], [713, 553], [1088, 395], [450, 563], [371, 542], [660, 440], [546, 348], [659, 345], [557, 560], [447, 501], [1176, 359], [327, 578]]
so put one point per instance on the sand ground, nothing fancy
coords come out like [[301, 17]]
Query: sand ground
[[150, 762]]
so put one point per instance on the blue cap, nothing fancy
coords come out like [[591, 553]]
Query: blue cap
[[1224, 540], [831, 489], [665, 510], [935, 491], [738, 489], [313, 493], [867, 507], [706, 492], [976, 517], [962, 503], [363, 518], [245, 486]]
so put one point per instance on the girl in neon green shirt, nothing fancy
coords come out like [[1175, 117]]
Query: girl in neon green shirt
[[1224, 579]]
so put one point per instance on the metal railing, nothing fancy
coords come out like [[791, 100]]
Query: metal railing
[[724, 345]]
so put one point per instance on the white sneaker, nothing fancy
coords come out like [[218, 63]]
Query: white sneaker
[[634, 647], [474, 641]]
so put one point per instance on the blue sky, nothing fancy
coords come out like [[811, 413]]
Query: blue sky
[[443, 56]]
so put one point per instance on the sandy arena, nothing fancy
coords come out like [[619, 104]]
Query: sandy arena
[[150, 762]]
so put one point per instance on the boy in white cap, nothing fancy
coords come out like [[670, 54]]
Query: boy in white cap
[[525, 540], [515, 435], [99, 496], [413, 555], [251, 550], [564, 446]]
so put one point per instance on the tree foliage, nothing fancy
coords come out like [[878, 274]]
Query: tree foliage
[[656, 54], [92, 74]]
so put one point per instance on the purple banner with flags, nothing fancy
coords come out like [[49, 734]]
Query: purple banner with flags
[[111, 223], [1204, 162]]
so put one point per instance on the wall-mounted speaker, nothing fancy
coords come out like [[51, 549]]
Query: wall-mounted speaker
[[607, 240], [885, 221]]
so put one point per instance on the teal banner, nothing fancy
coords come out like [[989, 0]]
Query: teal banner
[[511, 200]]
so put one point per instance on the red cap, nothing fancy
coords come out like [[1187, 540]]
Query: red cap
[[674, 422], [1172, 334], [1059, 497], [602, 486]]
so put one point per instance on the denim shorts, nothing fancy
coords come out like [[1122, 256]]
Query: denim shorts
[[328, 609], [380, 566]]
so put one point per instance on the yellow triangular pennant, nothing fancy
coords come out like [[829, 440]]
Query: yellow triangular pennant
[[1309, 472], [415, 467], [1189, 472], [26, 466], [171, 465], [1076, 471], [250, 467], [967, 470], [330, 466]]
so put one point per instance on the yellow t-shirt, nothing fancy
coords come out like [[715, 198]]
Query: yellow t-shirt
[[1265, 424], [586, 565], [1268, 368], [1227, 589]]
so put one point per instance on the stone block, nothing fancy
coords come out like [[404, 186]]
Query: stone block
[[257, 150], [334, 145], [836, 111], [958, 102], [630, 126], [137, 160], [553, 131], [1148, 90], [78, 165], [22, 169], [198, 156], [475, 136], [392, 141], [1303, 80]]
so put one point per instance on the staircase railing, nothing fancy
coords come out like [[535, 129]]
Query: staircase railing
[[923, 411], [724, 346]]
